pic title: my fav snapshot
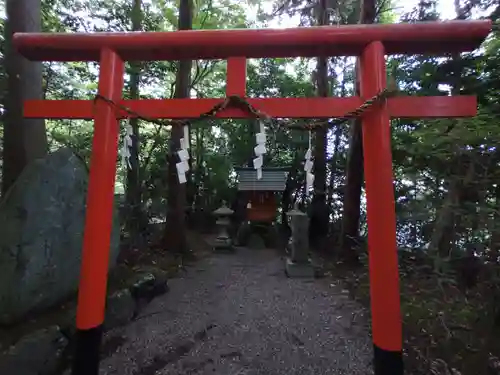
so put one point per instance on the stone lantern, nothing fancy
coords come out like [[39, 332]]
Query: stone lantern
[[299, 264], [223, 241]]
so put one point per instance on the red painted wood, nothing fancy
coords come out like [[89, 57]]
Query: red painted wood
[[381, 214], [432, 106], [263, 206], [236, 81], [404, 38], [100, 198], [409, 107]]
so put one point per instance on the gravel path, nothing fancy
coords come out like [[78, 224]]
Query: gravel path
[[238, 314]]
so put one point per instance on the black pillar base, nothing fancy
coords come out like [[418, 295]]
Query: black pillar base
[[387, 362], [87, 348]]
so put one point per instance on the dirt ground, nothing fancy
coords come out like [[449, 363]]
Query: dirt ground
[[131, 262], [239, 314], [230, 313]]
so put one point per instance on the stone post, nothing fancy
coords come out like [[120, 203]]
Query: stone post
[[223, 242], [299, 264]]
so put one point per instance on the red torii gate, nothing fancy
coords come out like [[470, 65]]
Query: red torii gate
[[369, 42]]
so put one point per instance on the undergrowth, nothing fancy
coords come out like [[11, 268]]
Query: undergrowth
[[447, 330]]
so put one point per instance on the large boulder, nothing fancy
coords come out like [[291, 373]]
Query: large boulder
[[38, 353], [41, 231]]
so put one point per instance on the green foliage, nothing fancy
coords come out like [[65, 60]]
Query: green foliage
[[429, 156], [437, 191]]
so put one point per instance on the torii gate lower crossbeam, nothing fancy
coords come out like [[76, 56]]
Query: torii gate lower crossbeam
[[369, 42]]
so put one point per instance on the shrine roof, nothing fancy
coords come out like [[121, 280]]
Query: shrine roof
[[273, 179]]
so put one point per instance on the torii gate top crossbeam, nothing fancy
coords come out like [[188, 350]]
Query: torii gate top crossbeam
[[350, 40]]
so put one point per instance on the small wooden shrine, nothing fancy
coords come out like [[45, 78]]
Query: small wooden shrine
[[260, 195]]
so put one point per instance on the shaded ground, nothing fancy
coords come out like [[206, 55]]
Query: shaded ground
[[131, 263], [446, 330], [239, 314]]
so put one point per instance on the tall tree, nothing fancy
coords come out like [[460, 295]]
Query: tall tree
[[336, 143], [448, 218], [354, 169], [322, 90], [24, 139], [319, 213], [133, 187], [175, 234]]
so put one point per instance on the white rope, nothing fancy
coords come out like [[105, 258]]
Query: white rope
[[308, 166], [260, 149]]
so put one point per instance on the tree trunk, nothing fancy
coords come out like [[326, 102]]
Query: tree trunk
[[318, 212], [333, 170], [174, 239], [354, 168], [290, 187], [414, 235], [198, 171], [320, 141], [494, 253], [191, 184], [135, 221], [444, 228], [336, 144], [24, 139]]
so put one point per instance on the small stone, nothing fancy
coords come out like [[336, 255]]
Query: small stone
[[300, 240], [299, 270], [255, 241], [120, 309], [298, 265], [68, 322], [494, 365], [38, 353], [243, 234], [146, 288], [144, 283]]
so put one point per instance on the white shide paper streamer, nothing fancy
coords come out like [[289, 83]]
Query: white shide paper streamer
[[127, 144], [183, 165], [260, 150], [308, 166]]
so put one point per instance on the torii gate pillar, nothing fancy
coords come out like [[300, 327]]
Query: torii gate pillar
[[381, 217]]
